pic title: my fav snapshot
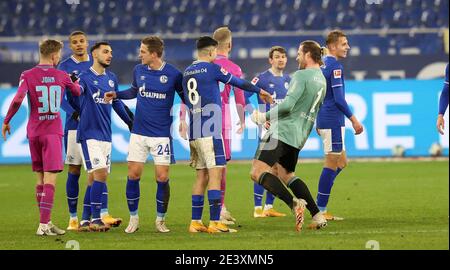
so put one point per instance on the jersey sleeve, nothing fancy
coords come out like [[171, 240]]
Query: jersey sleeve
[[179, 85], [18, 98], [131, 92], [336, 76], [73, 87], [221, 74], [296, 89]]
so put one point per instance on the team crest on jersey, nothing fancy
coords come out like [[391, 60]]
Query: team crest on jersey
[[95, 82], [163, 79], [271, 85], [286, 85], [337, 73], [111, 83], [255, 80], [224, 71], [96, 161], [142, 78]]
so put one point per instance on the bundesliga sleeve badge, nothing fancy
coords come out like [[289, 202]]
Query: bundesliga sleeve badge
[[255, 80], [224, 71], [337, 73]]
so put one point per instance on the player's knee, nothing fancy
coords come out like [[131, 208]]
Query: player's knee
[[343, 164], [162, 177], [255, 174], [133, 174], [75, 169]]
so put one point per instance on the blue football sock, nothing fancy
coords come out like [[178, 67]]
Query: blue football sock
[[269, 198], [258, 193], [325, 185], [96, 198], [104, 200], [197, 206], [162, 198], [72, 190], [133, 193], [214, 205], [87, 204]]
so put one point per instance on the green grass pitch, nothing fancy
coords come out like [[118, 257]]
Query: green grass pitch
[[401, 205]]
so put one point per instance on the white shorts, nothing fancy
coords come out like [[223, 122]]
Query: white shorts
[[96, 155], [333, 140], [207, 153], [73, 153], [141, 146]]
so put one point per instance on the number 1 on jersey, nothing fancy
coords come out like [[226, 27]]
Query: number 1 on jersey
[[319, 95]]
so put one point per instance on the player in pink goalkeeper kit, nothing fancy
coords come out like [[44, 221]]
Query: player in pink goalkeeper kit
[[44, 86], [224, 38]]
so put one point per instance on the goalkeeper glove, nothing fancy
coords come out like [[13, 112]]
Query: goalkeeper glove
[[258, 117], [74, 77]]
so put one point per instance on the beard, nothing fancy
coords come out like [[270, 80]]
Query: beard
[[104, 65]]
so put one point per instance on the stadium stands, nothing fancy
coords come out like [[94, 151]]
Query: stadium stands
[[21, 17]]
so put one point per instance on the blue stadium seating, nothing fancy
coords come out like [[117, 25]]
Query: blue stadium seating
[[178, 16], [48, 17]]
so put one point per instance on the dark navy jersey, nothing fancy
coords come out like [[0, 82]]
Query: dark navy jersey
[[72, 65], [155, 92], [202, 96], [334, 109], [95, 117], [277, 86]]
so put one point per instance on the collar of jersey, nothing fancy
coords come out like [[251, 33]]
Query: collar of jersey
[[221, 56], [199, 61], [96, 73], [77, 62], [271, 72], [160, 68], [45, 66]]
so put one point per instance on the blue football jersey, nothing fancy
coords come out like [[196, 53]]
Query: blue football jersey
[[72, 65], [155, 92], [277, 86], [330, 115], [202, 97], [95, 117]]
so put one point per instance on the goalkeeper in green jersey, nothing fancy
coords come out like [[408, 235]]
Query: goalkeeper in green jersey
[[291, 124]]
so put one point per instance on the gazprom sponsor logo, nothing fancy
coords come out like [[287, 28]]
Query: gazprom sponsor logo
[[149, 94]]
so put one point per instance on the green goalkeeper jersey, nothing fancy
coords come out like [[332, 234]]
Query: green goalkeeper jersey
[[292, 120]]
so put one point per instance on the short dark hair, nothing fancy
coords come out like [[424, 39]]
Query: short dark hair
[[276, 49], [50, 46], [98, 44], [314, 49], [77, 33], [334, 36], [206, 41], [154, 44]]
